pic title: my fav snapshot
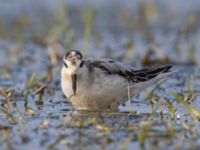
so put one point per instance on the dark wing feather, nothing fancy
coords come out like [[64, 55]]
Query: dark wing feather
[[112, 67], [147, 74]]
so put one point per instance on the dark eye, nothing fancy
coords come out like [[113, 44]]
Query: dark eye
[[81, 65], [65, 65]]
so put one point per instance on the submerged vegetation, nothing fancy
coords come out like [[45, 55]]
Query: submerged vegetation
[[35, 114]]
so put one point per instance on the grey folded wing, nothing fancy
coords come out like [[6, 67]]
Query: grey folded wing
[[112, 67]]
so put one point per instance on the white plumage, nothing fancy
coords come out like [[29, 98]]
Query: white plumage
[[102, 84]]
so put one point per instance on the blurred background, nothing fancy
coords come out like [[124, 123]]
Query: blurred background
[[34, 36], [140, 31]]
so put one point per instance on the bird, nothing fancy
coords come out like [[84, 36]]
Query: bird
[[101, 84]]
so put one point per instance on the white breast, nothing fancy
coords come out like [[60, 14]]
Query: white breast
[[96, 90]]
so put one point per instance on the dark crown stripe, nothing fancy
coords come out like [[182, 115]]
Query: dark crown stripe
[[76, 51]]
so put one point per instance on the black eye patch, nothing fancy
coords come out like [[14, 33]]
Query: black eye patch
[[81, 65], [65, 65]]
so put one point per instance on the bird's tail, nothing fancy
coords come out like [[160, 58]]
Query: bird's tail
[[148, 74], [146, 77]]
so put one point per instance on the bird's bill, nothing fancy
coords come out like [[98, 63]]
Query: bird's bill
[[74, 77]]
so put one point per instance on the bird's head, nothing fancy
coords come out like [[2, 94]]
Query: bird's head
[[73, 66]]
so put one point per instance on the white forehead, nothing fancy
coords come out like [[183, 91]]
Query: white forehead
[[73, 53]]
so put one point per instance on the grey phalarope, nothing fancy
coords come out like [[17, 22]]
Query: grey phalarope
[[102, 84]]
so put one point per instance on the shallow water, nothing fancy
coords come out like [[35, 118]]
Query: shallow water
[[45, 120]]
